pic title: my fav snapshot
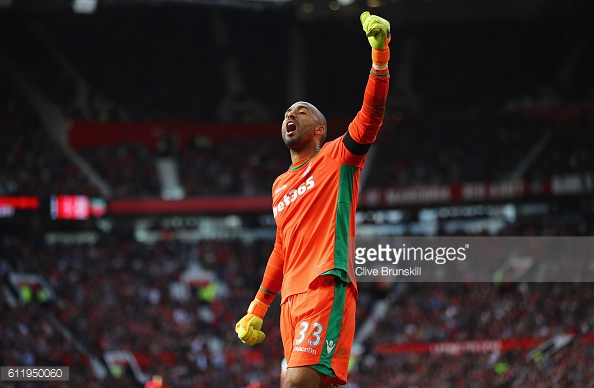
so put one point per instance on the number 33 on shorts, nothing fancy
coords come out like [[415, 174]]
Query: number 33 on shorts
[[315, 335]]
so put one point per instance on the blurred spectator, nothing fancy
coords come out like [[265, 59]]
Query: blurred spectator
[[155, 382]]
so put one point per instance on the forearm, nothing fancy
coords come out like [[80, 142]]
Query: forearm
[[366, 125], [273, 274], [249, 328], [271, 285]]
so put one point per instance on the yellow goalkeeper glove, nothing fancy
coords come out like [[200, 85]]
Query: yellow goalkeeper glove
[[377, 30], [249, 328], [249, 331]]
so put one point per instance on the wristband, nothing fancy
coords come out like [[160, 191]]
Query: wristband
[[380, 57], [261, 302]]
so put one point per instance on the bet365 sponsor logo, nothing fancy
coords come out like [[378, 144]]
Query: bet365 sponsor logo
[[292, 195]]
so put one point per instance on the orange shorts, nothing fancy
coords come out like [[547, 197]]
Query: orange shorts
[[318, 326]]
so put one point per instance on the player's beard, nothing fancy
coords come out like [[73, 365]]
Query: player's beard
[[300, 138]]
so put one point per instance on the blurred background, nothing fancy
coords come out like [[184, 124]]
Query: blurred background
[[140, 138]]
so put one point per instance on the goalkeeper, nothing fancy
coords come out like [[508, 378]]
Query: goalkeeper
[[314, 205]]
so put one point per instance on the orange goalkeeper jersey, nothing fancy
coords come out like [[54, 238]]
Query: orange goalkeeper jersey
[[314, 203]]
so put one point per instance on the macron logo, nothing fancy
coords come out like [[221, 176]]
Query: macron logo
[[306, 170], [330, 346]]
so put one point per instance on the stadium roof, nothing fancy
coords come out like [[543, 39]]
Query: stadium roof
[[398, 11]]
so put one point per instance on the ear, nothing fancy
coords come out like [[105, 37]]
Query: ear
[[320, 130]]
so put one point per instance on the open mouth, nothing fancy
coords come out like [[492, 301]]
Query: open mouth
[[291, 127]]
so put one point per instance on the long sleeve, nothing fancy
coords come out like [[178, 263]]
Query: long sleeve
[[366, 125], [273, 274]]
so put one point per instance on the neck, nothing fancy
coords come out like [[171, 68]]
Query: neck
[[297, 155]]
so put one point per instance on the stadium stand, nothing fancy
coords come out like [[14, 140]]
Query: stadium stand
[[231, 167], [128, 168], [116, 294], [32, 162]]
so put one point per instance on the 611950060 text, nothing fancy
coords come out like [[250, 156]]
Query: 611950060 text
[[34, 373]]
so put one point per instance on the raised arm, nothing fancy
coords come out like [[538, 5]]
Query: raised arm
[[364, 128]]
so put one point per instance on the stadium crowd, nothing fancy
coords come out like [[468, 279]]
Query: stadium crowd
[[32, 162], [237, 166], [117, 294], [454, 149], [448, 150], [449, 312], [444, 125]]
